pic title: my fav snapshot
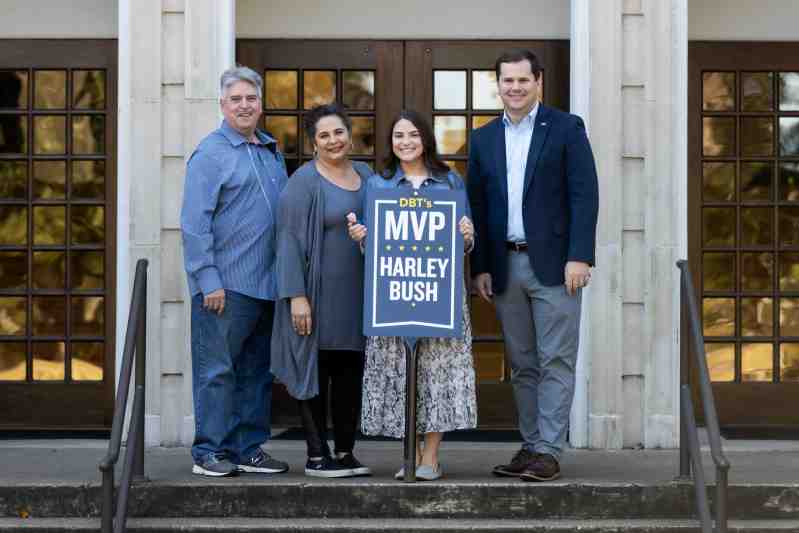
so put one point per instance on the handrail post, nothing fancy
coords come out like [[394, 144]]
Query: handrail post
[[141, 369], [685, 369], [107, 525], [410, 413]]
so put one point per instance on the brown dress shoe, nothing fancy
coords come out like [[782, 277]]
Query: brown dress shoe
[[520, 462], [545, 468]]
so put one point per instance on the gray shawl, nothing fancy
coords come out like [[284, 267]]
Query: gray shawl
[[300, 230]]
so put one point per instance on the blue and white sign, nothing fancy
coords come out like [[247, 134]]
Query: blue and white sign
[[413, 283]]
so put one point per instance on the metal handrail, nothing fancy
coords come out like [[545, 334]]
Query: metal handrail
[[689, 436], [135, 344]]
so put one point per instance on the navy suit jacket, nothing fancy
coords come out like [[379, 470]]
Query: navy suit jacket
[[560, 200]]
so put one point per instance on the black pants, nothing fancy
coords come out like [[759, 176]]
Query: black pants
[[343, 372]]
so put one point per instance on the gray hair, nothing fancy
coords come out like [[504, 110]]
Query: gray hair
[[240, 73]]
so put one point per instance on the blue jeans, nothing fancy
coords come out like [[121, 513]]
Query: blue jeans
[[232, 384]]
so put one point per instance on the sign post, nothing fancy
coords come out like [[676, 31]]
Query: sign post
[[413, 278]]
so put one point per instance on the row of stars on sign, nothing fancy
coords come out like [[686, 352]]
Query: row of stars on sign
[[414, 248]]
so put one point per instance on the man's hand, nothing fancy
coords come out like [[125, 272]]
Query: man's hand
[[467, 230], [215, 301], [301, 315], [357, 231], [577, 274], [483, 284]]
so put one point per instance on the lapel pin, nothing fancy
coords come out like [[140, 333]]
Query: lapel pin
[[543, 123]]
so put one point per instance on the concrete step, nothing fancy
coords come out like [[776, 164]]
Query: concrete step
[[260, 497], [336, 525]]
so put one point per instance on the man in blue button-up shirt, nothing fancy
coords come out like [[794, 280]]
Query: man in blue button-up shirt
[[233, 181]]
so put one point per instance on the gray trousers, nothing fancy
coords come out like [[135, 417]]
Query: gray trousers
[[541, 326]]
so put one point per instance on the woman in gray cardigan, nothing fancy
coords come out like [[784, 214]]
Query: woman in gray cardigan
[[317, 337]]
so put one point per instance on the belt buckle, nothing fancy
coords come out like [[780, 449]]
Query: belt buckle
[[518, 246]]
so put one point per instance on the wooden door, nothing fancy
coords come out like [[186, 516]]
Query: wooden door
[[452, 82], [743, 147], [57, 233]]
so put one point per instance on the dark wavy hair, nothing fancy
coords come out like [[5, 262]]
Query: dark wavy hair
[[432, 161], [317, 113]]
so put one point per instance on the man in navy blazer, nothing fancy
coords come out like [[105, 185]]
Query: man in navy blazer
[[533, 191]]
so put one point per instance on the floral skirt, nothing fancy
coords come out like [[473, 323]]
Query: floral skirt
[[446, 398]]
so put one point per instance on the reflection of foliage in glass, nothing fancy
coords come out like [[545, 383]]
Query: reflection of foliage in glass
[[757, 362], [284, 130], [88, 224], [88, 88], [13, 179], [757, 136], [49, 270], [789, 362], [281, 89], [49, 134], [789, 136], [50, 89], [718, 226], [450, 133], [718, 91], [87, 270], [88, 315], [49, 315], [363, 135], [13, 89], [719, 182], [756, 180], [789, 181], [49, 179], [789, 271], [718, 272], [49, 225], [48, 361], [756, 225], [789, 91], [319, 87], [88, 179], [789, 226], [756, 271], [718, 136], [87, 361], [12, 361], [13, 134], [13, 224], [13, 316], [358, 89], [718, 316], [88, 134], [720, 361], [13, 270], [789, 317], [757, 317], [756, 91]]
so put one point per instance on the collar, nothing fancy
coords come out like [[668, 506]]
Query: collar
[[529, 119], [237, 139], [399, 176]]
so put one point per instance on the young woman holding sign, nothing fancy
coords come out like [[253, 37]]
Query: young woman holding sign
[[318, 342], [446, 384]]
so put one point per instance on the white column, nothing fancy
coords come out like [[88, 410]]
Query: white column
[[210, 34], [666, 224], [606, 346], [139, 166], [580, 104]]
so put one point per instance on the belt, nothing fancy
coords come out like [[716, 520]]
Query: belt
[[516, 246]]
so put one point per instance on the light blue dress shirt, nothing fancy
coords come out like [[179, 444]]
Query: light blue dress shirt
[[517, 147], [230, 203]]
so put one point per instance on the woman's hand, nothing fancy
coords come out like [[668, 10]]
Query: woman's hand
[[467, 230], [357, 231], [301, 315]]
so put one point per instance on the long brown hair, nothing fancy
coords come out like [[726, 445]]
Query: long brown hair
[[432, 161]]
